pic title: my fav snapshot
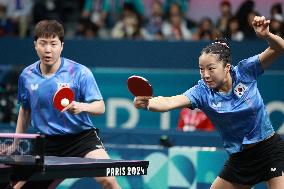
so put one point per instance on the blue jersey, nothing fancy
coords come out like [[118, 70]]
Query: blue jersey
[[35, 92], [240, 116]]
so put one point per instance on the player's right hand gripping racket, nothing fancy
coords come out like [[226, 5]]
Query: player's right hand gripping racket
[[139, 86], [62, 98]]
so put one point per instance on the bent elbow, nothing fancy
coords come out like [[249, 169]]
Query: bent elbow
[[98, 108], [103, 110]]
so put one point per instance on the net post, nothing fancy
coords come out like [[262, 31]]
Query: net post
[[39, 149]]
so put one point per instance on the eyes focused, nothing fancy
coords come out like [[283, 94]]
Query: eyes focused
[[52, 44], [210, 68]]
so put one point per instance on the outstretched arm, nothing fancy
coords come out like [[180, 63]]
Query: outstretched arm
[[276, 43], [162, 104]]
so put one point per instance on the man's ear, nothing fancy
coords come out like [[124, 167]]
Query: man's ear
[[228, 67]]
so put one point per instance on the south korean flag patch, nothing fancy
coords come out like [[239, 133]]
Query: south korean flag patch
[[60, 85], [240, 89]]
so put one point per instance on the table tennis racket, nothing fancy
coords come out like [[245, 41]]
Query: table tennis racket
[[62, 98], [139, 86]]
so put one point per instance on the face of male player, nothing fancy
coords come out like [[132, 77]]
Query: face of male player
[[49, 51]]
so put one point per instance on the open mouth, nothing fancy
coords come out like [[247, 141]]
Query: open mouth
[[47, 58], [209, 82]]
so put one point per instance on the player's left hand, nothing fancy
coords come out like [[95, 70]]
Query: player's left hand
[[74, 107], [261, 26], [7, 149]]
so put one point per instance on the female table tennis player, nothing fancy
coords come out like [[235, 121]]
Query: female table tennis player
[[230, 98], [71, 132]]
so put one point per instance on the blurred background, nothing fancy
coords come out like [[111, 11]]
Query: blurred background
[[160, 40]]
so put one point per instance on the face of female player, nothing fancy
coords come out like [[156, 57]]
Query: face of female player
[[213, 71], [49, 50]]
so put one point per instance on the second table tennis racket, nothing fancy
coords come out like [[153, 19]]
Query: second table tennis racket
[[139, 86]]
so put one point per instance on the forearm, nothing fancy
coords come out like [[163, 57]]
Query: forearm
[[163, 104], [23, 120], [159, 104], [275, 42], [275, 49], [94, 108]]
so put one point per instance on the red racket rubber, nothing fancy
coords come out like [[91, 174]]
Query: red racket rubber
[[139, 86], [64, 92]]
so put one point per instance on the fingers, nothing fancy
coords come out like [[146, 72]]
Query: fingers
[[143, 97], [260, 21], [141, 101], [73, 108], [266, 23], [3, 151], [68, 107], [7, 149]]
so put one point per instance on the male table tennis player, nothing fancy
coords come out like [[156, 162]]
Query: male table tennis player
[[70, 132]]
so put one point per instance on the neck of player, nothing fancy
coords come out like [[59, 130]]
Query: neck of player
[[227, 86]]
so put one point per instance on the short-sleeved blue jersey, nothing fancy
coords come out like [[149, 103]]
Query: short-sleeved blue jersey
[[240, 116], [35, 92]]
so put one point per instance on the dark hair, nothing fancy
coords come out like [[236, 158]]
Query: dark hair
[[225, 2], [221, 48], [49, 28]]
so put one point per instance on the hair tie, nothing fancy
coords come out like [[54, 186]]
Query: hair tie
[[222, 44]]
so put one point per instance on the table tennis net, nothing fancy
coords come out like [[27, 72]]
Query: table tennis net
[[21, 148]]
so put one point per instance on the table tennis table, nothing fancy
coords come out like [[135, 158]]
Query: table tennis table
[[71, 167]]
